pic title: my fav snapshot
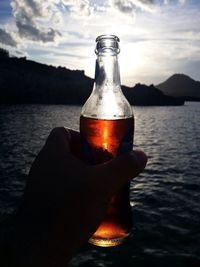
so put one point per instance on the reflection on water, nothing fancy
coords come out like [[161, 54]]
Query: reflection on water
[[165, 199]]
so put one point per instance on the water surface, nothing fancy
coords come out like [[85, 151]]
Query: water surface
[[165, 198]]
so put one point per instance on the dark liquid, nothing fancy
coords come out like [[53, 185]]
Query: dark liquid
[[105, 140]]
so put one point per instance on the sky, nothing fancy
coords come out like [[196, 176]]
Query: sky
[[157, 37]]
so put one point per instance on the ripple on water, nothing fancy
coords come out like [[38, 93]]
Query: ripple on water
[[165, 197]]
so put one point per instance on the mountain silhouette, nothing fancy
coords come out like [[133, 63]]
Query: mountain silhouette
[[143, 95], [24, 81], [181, 85]]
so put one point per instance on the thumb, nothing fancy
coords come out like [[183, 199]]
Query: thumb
[[120, 170]]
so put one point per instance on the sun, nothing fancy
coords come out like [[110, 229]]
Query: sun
[[130, 60]]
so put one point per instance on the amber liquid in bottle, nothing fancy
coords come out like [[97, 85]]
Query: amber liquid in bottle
[[104, 140]]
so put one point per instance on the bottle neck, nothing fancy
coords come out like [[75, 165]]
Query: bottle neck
[[107, 101], [107, 72]]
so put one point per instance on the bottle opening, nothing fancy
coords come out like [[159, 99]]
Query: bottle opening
[[107, 36], [107, 43]]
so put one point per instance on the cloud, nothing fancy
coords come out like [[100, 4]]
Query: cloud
[[30, 14], [166, 2], [129, 7], [124, 6], [6, 38], [32, 32], [79, 7], [145, 5]]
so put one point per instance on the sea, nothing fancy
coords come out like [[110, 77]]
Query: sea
[[165, 198]]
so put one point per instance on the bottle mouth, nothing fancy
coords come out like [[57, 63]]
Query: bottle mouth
[[107, 43]]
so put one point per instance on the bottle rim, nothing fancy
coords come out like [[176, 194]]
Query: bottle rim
[[107, 36], [107, 44]]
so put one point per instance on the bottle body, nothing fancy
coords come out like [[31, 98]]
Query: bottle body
[[107, 127], [102, 141]]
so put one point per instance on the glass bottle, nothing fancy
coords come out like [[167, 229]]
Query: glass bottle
[[107, 127]]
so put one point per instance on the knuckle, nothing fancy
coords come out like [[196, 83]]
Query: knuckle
[[55, 132], [59, 133]]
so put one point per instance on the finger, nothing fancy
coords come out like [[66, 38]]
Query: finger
[[120, 170], [56, 148], [76, 144], [63, 140], [64, 145], [75, 135], [59, 139]]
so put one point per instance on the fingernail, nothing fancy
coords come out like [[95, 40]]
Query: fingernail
[[141, 158]]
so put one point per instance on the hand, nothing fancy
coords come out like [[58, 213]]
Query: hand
[[65, 199]]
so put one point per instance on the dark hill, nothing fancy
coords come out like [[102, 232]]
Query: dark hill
[[149, 96], [180, 85], [26, 81]]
